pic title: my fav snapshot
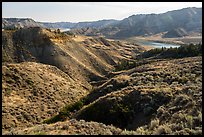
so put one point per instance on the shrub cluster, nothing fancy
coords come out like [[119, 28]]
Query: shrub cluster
[[190, 50]]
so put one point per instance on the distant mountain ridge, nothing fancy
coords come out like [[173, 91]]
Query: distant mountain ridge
[[28, 22], [187, 20], [93, 24], [19, 23], [176, 23]]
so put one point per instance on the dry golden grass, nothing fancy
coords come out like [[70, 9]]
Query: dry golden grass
[[33, 92], [176, 87], [151, 98]]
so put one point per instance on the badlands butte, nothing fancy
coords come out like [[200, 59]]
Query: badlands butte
[[61, 83]]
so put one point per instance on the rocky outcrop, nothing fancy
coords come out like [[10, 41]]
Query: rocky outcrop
[[13, 23]]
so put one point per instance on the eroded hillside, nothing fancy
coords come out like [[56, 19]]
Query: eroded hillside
[[58, 83], [83, 58], [43, 71]]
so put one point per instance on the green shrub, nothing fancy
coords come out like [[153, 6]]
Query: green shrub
[[125, 64], [190, 50], [189, 119], [65, 112], [29, 81], [8, 91], [9, 80]]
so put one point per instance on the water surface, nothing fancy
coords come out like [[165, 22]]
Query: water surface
[[158, 44]]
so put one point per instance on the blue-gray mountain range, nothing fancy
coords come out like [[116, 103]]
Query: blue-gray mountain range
[[175, 23]]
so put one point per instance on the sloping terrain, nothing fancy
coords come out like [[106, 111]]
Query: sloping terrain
[[178, 32], [32, 92], [165, 92], [70, 25], [82, 58], [187, 19], [12, 23], [161, 97], [70, 127], [61, 83], [176, 23], [44, 71]]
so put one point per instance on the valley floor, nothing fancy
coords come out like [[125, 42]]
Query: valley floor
[[179, 40]]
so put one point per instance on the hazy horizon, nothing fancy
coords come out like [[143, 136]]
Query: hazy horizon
[[87, 11]]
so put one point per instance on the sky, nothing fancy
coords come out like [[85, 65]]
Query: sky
[[87, 11]]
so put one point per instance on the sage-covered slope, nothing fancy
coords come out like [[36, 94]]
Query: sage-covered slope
[[161, 97], [152, 99], [32, 92]]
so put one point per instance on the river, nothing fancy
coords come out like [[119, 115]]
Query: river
[[157, 44], [64, 29]]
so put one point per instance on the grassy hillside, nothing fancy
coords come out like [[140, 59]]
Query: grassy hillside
[[165, 95], [161, 97], [57, 83], [32, 92]]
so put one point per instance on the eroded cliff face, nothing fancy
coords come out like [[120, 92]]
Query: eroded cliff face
[[12, 23]]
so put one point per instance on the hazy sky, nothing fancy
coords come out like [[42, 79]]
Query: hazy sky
[[87, 11]]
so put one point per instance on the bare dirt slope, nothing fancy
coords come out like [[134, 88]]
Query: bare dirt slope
[[82, 58]]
